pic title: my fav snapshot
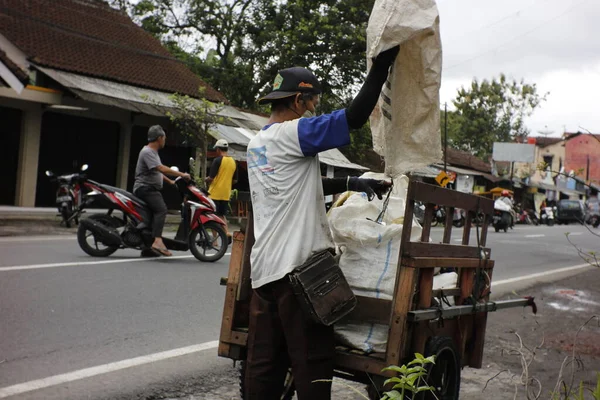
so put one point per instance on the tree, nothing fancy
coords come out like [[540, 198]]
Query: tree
[[491, 111], [194, 119], [248, 41]]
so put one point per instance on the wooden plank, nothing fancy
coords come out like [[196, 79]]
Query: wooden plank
[[443, 262], [480, 321], [245, 286], [445, 197], [361, 363], [427, 218], [236, 337], [425, 288], [420, 332], [417, 249], [402, 304], [467, 228], [484, 230], [233, 279], [371, 310], [448, 225], [408, 218]]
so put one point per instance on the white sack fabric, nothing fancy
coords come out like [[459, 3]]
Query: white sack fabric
[[406, 121], [369, 259]]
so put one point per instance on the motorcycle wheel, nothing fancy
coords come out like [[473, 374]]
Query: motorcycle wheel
[[551, 222], [66, 213], [459, 223], [434, 222], [200, 244], [497, 229], [84, 234]]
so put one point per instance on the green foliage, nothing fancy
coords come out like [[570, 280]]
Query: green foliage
[[411, 378], [194, 118], [491, 111], [580, 394], [249, 40]]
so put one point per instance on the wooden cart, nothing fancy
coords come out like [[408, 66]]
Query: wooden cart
[[419, 319]]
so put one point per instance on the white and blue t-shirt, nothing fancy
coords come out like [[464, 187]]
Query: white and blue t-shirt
[[290, 223]]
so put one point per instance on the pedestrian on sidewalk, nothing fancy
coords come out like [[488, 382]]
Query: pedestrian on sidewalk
[[290, 225], [150, 174], [223, 175]]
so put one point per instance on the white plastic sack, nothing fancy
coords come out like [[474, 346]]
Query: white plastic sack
[[369, 259], [406, 122]]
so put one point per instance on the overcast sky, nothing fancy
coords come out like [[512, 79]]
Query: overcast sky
[[553, 43]]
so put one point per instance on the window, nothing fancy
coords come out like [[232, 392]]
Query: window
[[548, 160]]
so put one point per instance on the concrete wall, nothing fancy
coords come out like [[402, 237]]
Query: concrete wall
[[578, 150]]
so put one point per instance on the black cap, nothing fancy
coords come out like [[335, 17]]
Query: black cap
[[290, 81]]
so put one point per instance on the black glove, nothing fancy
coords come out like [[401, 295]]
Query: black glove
[[371, 187], [387, 57]]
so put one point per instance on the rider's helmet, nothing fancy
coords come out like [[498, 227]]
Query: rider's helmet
[[505, 193]]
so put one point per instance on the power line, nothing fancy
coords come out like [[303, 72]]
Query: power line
[[535, 28], [497, 22]]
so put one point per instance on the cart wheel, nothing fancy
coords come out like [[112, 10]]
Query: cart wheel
[[288, 385], [444, 375]]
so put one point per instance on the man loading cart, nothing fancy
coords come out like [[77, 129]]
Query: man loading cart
[[290, 226]]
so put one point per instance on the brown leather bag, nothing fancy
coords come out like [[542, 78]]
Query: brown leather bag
[[322, 289]]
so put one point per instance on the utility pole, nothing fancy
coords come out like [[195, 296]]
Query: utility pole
[[445, 136]]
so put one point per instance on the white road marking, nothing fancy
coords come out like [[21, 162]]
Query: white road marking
[[150, 358], [27, 239], [84, 263], [534, 236], [102, 369], [540, 274]]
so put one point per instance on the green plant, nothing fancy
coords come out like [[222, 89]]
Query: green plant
[[411, 378]]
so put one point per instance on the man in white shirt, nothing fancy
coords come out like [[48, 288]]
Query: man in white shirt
[[290, 225]]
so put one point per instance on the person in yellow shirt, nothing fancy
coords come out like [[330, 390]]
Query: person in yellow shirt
[[223, 175]]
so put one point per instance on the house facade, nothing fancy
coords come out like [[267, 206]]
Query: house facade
[[80, 83], [72, 79], [583, 156]]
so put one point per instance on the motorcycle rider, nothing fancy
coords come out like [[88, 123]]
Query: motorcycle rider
[[505, 197], [290, 225], [149, 176]]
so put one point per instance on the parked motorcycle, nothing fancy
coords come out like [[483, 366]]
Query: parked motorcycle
[[70, 199], [502, 217], [458, 219], [525, 216], [201, 231], [439, 214]]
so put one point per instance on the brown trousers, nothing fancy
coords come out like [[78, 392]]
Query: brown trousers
[[280, 335]]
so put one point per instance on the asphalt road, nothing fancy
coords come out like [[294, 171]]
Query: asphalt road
[[62, 312]]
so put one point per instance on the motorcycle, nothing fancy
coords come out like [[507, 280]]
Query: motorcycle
[[70, 199], [547, 216], [458, 219], [439, 214], [502, 217], [201, 231]]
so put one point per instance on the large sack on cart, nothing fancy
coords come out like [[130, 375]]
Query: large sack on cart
[[369, 259]]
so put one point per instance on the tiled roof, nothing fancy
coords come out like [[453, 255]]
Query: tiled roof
[[90, 38], [467, 160], [14, 68]]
